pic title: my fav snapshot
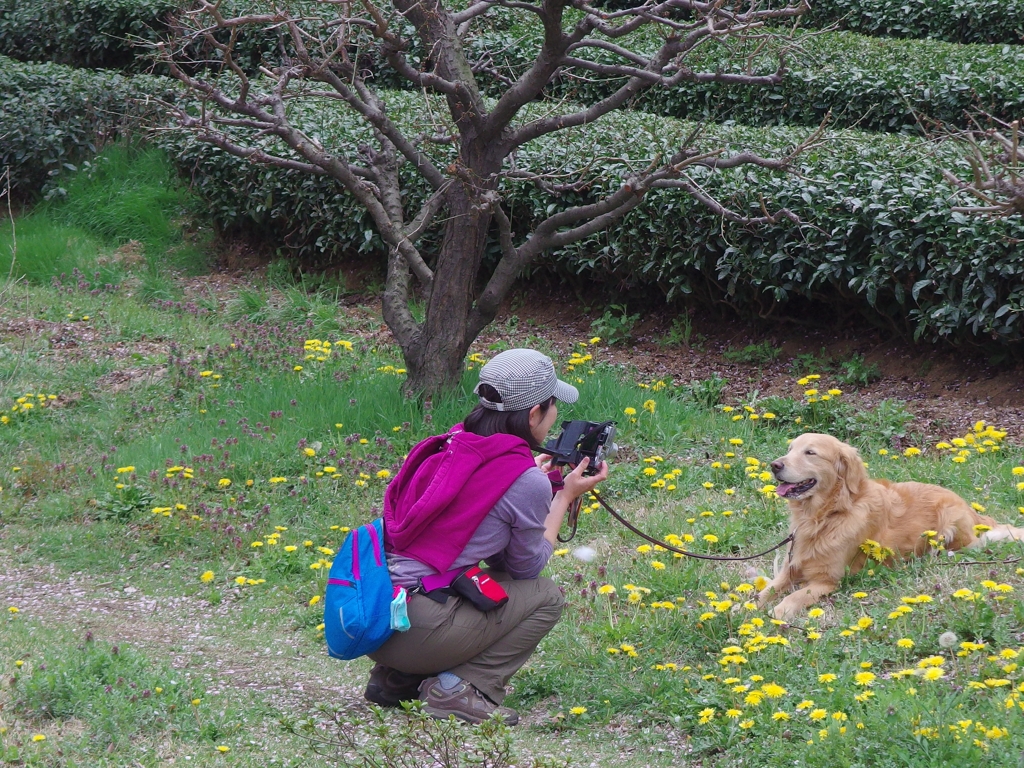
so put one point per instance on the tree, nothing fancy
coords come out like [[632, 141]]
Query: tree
[[335, 50]]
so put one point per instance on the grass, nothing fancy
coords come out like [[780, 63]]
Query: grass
[[189, 516], [121, 214]]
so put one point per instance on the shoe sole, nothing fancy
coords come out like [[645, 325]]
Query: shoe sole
[[375, 695]]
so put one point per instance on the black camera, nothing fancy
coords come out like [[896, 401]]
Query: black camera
[[583, 438]]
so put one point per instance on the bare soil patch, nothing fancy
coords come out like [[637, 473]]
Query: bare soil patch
[[947, 390]]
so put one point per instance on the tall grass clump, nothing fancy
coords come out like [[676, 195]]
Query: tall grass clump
[[41, 248], [125, 196]]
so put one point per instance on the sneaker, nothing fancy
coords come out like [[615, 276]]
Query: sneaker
[[464, 701], [389, 688]]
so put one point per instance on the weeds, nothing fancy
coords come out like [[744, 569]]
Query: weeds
[[616, 325], [351, 738], [761, 353], [706, 393], [317, 311], [679, 333], [886, 422], [857, 372], [116, 689]]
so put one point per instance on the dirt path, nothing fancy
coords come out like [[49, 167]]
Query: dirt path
[[209, 644]]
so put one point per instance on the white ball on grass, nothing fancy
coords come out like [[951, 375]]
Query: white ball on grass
[[586, 554]]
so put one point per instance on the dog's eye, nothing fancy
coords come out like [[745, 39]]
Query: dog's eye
[[809, 452]]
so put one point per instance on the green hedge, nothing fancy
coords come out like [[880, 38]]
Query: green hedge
[[51, 117], [867, 83], [81, 33], [878, 235], [112, 34], [955, 21]]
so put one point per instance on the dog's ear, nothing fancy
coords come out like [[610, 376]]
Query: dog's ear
[[850, 468]]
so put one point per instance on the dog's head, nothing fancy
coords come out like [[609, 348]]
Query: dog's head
[[818, 466]]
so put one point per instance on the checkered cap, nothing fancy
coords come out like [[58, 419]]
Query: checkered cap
[[524, 378]]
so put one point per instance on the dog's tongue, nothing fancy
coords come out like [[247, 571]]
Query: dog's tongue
[[783, 488]]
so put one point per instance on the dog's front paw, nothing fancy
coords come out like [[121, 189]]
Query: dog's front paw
[[787, 609]]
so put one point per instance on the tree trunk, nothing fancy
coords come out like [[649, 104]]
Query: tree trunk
[[445, 339]]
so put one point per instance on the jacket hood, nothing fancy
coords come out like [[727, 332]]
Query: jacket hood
[[444, 490]]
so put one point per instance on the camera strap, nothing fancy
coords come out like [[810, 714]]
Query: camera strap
[[670, 548]]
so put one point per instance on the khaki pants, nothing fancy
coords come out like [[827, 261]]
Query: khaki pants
[[484, 648]]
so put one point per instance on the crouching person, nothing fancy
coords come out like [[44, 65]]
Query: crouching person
[[479, 495]]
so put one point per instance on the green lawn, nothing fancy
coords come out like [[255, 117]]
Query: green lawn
[[173, 496]]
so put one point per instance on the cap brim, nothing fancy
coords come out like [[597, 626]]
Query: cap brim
[[567, 393]]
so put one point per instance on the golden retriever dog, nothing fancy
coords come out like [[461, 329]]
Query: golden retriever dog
[[835, 507]]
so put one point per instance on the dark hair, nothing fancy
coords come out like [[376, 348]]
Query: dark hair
[[486, 422]]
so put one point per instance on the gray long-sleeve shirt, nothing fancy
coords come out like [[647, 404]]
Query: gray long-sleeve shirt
[[510, 538]]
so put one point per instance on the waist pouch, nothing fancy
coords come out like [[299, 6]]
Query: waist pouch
[[478, 588], [472, 583]]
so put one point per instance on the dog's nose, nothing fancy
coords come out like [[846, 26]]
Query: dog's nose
[[777, 466]]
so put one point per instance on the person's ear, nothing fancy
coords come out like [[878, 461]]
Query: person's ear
[[536, 416]]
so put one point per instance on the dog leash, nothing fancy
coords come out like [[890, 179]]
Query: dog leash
[[574, 520]]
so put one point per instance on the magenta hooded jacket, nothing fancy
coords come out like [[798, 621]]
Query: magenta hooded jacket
[[444, 490]]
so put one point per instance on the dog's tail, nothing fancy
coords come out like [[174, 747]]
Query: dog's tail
[[777, 563], [998, 531]]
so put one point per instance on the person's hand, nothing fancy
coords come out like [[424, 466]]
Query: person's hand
[[576, 484], [544, 462]]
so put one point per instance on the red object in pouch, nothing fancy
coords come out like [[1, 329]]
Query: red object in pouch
[[480, 589]]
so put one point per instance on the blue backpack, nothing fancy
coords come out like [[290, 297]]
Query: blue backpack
[[361, 606]]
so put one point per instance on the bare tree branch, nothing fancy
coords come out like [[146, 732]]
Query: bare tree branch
[[997, 161], [478, 8], [529, 86], [425, 217]]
